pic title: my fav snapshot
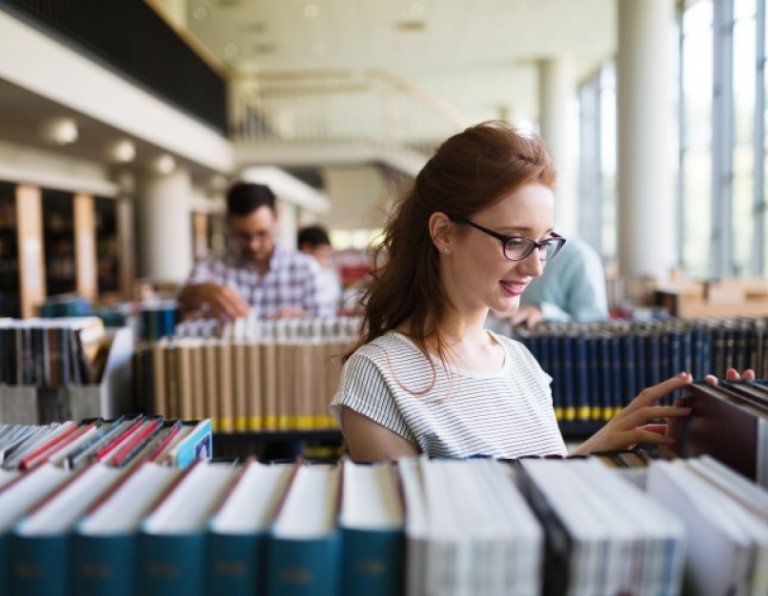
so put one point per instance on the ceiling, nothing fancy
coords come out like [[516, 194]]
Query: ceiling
[[479, 56], [475, 58]]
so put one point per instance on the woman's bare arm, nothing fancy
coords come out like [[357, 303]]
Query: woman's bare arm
[[369, 441]]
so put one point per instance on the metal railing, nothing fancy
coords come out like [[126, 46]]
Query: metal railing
[[370, 107]]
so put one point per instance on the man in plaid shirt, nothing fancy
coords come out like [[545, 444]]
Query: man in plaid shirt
[[256, 276]]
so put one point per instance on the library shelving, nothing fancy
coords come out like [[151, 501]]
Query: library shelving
[[22, 277], [114, 248], [10, 298], [59, 248]]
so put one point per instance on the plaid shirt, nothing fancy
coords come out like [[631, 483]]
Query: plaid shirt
[[291, 282]]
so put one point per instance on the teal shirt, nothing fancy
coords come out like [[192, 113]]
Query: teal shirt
[[572, 287]]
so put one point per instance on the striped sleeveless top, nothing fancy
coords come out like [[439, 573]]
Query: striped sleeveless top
[[448, 411]]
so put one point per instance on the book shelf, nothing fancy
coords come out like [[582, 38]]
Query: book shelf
[[113, 224], [10, 292], [59, 233]]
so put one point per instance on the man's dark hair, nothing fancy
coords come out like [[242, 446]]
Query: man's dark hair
[[244, 198], [314, 236]]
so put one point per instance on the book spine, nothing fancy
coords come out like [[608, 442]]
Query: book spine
[[303, 567], [103, 565], [171, 565], [39, 566]]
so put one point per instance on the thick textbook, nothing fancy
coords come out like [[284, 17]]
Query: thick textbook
[[39, 546], [372, 523], [727, 424], [104, 545], [237, 531], [303, 546], [172, 539]]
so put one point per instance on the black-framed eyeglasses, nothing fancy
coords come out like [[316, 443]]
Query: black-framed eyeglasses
[[517, 248]]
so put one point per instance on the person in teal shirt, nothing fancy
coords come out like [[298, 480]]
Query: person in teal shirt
[[572, 288]]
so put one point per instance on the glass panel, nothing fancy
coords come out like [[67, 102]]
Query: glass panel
[[697, 174], [608, 159], [696, 161], [744, 60]]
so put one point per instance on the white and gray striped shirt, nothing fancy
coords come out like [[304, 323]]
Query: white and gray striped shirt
[[451, 412]]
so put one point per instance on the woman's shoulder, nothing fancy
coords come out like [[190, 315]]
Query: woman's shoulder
[[390, 349]]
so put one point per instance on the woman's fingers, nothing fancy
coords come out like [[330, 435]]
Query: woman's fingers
[[732, 375], [652, 394], [642, 416]]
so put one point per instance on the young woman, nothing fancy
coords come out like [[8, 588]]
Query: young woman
[[428, 377]]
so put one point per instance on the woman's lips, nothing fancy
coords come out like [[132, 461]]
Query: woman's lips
[[513, 288]]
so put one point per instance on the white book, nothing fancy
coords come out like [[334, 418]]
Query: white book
[[252, 504], [721, 550], [187, 508], [28, 489], [122, 511], [415, 526], [62, 510]]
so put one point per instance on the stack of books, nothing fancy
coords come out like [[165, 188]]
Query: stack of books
[[416, 527], [264, 376], [729, 422], [63, 369], [598, 368]]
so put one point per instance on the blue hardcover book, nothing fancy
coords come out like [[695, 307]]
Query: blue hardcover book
[[372, 523], [304, 544], [172, 539], [39, 546], [237, 532], [104, 543], [567, 376], [605, 411], [616, 401], [16, 498], [581, 375], [197, 445], [629, 361]]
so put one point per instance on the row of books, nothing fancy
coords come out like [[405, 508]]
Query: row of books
[[242, 385], [729, 422], [323, 329], [51, 352], [416, 527], [122, 443], [597, 368]]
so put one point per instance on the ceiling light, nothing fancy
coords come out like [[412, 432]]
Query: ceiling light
[[164, 164], [60, 131], [200, 13], [122, 151], [311, 11]]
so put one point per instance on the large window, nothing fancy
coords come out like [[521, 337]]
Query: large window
[[722, 90], [696, 132], [597, 162]]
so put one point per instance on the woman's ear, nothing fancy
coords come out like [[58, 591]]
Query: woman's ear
[[441, 232]]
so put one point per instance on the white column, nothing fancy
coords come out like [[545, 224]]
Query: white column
[[163, 226], [646, 197], [557, 124]]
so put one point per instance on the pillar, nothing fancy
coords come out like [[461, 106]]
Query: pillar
[[163, 226], [557, 123], [646, 184]]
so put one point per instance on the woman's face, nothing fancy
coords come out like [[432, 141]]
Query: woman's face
[[476, 273]]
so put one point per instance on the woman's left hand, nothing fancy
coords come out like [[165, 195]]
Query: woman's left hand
[[633, 424]]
